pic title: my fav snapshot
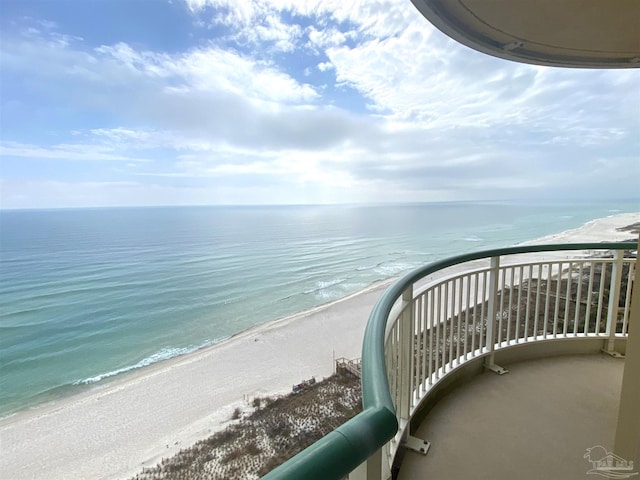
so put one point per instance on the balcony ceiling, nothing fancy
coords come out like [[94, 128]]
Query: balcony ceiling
[[565, 33]]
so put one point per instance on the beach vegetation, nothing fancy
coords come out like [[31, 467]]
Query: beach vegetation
[[279, 428]]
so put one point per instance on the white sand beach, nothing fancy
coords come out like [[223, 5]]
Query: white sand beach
[[114, 429]]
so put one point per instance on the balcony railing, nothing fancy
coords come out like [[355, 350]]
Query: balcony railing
[[483, 303]]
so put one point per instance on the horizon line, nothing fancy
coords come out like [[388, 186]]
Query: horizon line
[[573, 201]]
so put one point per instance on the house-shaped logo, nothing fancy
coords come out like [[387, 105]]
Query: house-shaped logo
[[608, 464]]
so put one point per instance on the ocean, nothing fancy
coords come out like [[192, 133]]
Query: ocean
[[87, 295]]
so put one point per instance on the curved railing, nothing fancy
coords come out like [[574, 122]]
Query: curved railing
[[420, 331]]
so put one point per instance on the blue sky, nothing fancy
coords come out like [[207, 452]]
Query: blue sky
[[190, 102]]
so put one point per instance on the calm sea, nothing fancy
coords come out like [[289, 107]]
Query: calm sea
[[89, 294]]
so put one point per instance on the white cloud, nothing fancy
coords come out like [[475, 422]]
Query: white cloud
[[66, 152], [326, 37], [443, 121], [207, 68], [372, 18], [212, 69]]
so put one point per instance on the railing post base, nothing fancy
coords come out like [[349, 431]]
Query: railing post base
[[490, 364], [612, 353], [494, 367], [416, 444]]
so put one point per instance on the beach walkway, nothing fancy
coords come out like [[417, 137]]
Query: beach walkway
[[346, 366]]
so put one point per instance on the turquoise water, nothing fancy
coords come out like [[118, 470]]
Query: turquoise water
[[86, 295]]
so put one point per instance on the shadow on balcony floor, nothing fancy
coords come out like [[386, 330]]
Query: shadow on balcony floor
[[533, 423]]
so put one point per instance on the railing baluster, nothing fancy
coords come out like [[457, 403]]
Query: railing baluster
[[475, 314], [451, 295], [394, 346], [431, 326], [388, 350], [519, 307], [501, 285], [466, 316], [415, 356], [459, 315], [627, 300], [372, 469], [603, 271], [528, 309], [425, 333], [556, 310], [483, 329], [587, 313], [567, 293], [537, 310], [576, 320], [438, 347], [509, 314], [547, 299]]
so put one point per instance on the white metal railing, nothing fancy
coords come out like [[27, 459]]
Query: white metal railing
[[435, 328]]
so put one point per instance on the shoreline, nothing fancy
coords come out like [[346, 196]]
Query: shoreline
[[84, 388], [213, 414], [591, 231], [135, 419]]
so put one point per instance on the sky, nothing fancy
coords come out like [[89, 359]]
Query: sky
[[200, 102]]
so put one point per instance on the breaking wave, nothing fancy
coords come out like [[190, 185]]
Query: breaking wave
[[163, 354]]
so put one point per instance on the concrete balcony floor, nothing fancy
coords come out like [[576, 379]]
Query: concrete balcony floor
[[532, 423]]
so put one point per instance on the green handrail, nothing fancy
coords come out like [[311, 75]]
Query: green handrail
[[337, 454]]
